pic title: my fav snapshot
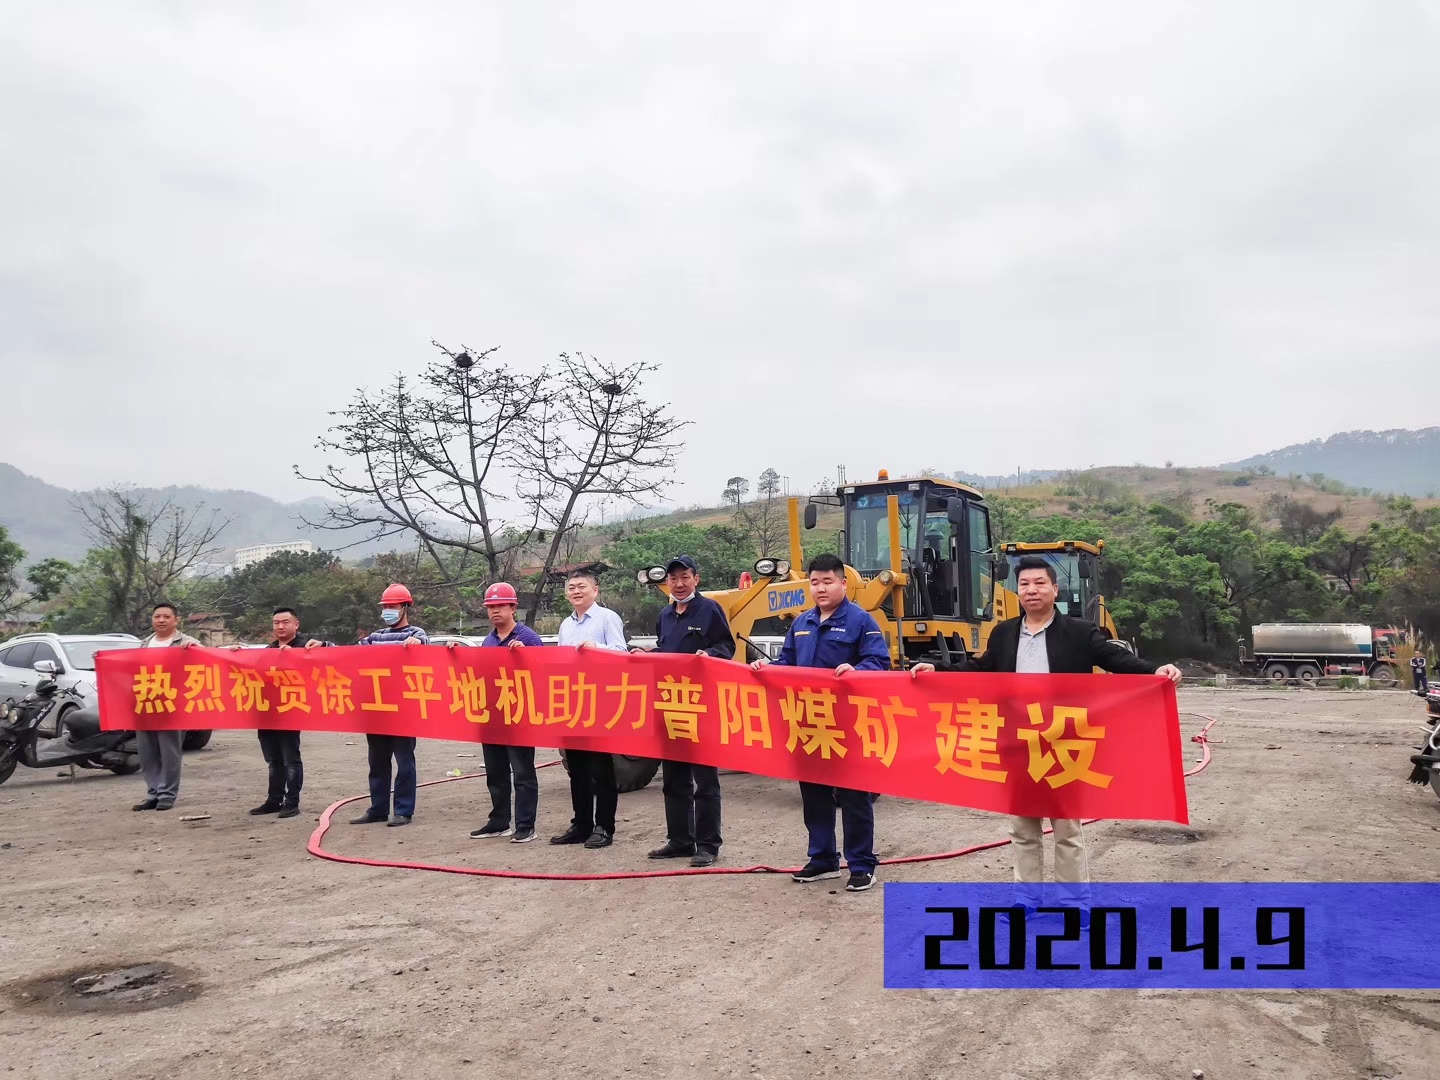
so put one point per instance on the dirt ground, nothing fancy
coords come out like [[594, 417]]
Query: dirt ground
[[298, 967]]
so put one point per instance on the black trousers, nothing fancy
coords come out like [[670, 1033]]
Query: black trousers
[[282, 754], [1421, 682], [501, 762], [592, 790], [692, 805]]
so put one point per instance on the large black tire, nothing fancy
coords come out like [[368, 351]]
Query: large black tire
[[1277, 672], [631, 773], [196, 740], [1308, 674], [1385, 675]]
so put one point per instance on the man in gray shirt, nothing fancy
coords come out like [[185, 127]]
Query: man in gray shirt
[[161, 752]]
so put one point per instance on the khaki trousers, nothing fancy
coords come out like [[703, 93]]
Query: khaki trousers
[[1070, 862]]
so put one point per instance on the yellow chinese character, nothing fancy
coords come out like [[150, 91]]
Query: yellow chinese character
[[292, 690], [811, 716], [744, 711], [625, 689], [153, 692], [680, 707], [516, 697], [202, 688], [879, 735], [467, 693], [1074, 756], [570, 702], [379, 704], [247, 690], [420, 686], [334, 691], [968, 738]]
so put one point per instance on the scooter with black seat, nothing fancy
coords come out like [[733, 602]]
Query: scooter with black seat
[[79, 742]]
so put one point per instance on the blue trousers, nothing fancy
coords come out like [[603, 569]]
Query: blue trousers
[[857, 817], [382, 749]]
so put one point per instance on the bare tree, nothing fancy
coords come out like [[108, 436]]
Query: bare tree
[[424, 459], [142, 549], [763, 520], [595, 435]]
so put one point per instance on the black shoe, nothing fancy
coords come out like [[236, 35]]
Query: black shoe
[[289, 811], [523, 836], [598, 839], [165, 804], [813, 871], [571, 835], [672, 850], [267, 807], [860, 882], [398, 820], [490, 828], [367, 818], [704, 858], [148, 804]]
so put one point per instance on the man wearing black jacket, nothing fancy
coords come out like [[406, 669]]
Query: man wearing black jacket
[[691, 623], [281, 749], [1043, 641]]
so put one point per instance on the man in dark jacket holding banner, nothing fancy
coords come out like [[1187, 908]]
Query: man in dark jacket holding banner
[[1044, 641], [691, 624]]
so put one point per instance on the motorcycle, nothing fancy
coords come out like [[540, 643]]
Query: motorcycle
[[1427, 762], [79, 741]]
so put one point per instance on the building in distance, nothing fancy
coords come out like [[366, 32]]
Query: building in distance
[[248, 556]]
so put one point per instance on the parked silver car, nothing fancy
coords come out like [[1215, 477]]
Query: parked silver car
[[74, 658]]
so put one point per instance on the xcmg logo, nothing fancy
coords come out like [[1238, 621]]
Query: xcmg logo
[[780, 599]]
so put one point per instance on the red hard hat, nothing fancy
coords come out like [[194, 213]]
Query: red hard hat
[[395, 594], [502, 592]]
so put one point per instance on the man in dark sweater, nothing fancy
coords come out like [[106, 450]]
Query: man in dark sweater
[[691, 623], [281, 749], [1043, 641]]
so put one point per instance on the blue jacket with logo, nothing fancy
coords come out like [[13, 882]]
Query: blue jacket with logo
[[849, 636]]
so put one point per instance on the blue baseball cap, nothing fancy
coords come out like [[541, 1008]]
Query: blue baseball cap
[[683, 561]]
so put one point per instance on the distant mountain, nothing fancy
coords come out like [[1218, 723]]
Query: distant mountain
[[1015, 479], [1400, 462], [43, 520]]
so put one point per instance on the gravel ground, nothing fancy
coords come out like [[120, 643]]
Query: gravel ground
[[297, 967]]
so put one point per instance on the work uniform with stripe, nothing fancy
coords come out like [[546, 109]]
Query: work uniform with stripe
[[850, 635]]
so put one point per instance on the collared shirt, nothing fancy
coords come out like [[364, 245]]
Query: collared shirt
[[849, 636], [1030, 651], [394, 635], [519, 632], [598, 626], [702, 625]]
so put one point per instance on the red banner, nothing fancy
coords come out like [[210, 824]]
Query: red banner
[[1042, 745]]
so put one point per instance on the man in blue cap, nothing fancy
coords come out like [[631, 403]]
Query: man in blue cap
[[691, 624]]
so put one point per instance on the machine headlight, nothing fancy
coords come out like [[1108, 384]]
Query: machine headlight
[[765, 567], [651, 575]]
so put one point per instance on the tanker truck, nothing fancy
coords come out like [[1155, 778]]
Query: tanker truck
[[1306, 651]]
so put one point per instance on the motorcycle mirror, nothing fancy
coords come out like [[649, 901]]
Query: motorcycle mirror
[[46, 667]]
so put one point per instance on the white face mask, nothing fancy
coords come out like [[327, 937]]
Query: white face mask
[[390, 616]]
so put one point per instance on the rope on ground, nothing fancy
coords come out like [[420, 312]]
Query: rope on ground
[[316, 847]]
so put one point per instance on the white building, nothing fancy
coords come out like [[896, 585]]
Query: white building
[[248, 556]]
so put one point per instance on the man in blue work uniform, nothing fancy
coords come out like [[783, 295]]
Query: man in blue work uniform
[[838, 635], [1417, 671], [691, 623]]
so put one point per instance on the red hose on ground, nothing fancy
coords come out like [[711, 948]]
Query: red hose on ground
[[314, 847]]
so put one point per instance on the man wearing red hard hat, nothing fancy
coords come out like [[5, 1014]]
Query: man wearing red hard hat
[[503, 762], [395, 604]]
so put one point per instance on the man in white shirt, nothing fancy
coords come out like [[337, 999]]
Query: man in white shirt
[[592, 774], [160, 751]]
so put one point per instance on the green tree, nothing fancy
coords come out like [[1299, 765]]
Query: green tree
[[723, 554], [11, 555], [48, 577]]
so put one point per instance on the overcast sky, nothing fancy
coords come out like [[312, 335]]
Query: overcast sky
[[974, 236]]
